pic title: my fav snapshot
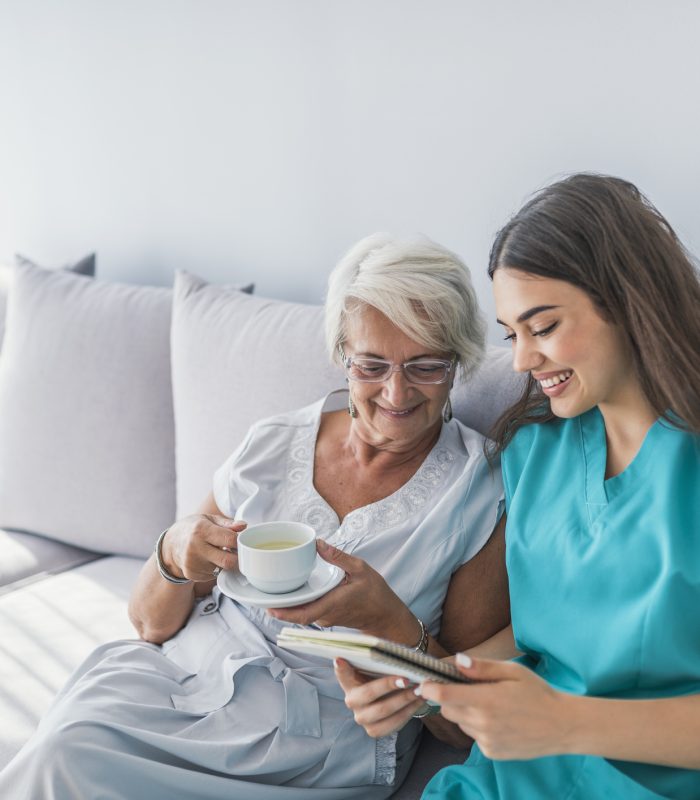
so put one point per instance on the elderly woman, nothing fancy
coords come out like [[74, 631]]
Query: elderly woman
[[402, 500]]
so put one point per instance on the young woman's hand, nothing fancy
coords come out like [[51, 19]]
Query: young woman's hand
[[510, 712], [381, 705], [363, 600]]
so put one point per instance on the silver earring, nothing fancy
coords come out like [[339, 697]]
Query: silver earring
[[351, 407], [447, 412]]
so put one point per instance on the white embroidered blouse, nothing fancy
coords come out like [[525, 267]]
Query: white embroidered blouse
[[417, 537]]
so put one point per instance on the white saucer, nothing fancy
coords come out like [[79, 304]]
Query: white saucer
[[323, 578]]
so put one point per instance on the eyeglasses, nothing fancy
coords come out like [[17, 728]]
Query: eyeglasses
[[376, 370]]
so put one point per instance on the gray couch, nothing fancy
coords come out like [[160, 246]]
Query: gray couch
[[117, 403]]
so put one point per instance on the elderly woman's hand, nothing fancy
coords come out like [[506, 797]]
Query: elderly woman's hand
[[196, 545], [381, 705], [364, 600]]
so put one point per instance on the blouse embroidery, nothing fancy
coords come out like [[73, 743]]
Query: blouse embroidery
[[308, 506]]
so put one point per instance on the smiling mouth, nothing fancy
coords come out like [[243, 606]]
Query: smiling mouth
[[555, 380], [397, 414], [555, 385]]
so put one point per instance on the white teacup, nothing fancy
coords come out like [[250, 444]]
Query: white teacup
[[277, 557]]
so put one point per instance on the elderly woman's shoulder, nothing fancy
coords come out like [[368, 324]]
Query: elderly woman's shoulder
[[294, 418], [470, 442]]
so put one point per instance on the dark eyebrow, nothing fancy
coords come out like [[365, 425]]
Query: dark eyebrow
[[525, 316]]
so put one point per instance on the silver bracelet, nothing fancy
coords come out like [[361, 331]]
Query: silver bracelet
[[428, 710], [161, 565], [422, 646]]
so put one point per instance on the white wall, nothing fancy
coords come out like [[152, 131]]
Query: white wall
[[258, 139]]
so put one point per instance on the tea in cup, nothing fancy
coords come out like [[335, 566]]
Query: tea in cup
[[277, 557]]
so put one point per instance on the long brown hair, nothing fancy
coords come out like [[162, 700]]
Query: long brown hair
[[602, 235]]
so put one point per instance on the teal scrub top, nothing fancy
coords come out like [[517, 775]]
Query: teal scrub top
[[604, 581]]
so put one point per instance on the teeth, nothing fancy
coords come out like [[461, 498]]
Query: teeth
[[555, 380]]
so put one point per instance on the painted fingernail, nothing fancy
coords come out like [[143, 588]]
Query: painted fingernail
[[463, 660], [418, 691], [336, 663], [400, 683]]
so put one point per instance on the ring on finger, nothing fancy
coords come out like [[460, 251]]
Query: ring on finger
[[216, 571]]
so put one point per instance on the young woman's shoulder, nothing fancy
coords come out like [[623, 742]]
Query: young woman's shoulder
[[550, 445], [541, 436], [679, 447]]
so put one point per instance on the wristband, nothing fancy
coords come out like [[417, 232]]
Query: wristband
[[161, 565]]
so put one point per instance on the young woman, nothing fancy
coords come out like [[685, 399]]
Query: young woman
[[601, 467]]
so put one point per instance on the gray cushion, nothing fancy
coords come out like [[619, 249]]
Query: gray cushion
[[432, 756], [479, 402], [86, 265]]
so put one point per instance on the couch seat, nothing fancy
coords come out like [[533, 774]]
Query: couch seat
[[47, 627], [26, 556]]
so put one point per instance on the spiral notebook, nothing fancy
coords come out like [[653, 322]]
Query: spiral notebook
[[371, 654]]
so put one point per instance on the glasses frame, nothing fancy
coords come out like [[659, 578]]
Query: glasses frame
[[448, 364]]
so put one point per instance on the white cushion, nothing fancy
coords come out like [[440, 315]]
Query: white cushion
[[480, 401], [237, 359], [47, 629], [86, 266], [86, 421]]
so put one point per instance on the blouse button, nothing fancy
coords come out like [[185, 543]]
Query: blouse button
[[208, 608]]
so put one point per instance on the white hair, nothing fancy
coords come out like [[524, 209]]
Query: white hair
[[420, 286]]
